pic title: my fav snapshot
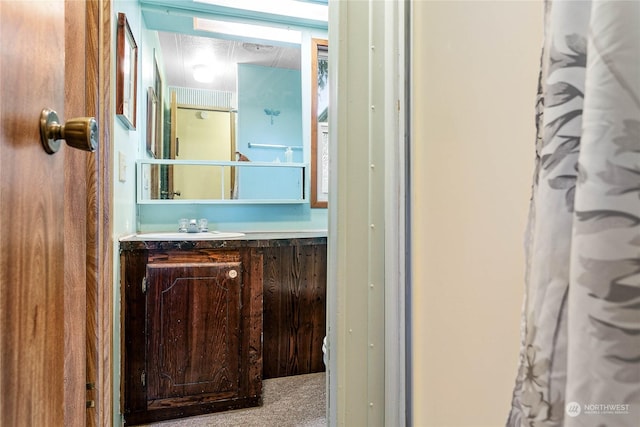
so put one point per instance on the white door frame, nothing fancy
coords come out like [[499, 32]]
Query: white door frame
[[367, 244]]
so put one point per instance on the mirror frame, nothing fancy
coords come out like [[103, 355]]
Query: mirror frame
[[316, 158]]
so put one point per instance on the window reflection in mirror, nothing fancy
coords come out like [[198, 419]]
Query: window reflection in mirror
[[319, 123]]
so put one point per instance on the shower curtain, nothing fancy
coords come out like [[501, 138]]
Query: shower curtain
[[580, 350]]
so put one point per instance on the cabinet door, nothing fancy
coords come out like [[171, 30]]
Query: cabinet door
[[193, 333], [295, 294]]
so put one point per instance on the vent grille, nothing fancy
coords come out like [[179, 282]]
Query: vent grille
[[202, 97]]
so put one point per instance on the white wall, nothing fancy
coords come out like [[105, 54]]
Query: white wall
[[475, 66]]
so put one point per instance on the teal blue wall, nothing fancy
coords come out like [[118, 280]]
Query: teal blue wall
[[263, 90], [125, 142], [234, 218]]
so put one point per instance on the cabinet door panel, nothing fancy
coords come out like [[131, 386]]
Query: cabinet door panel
[[193, 332], [294, 309]]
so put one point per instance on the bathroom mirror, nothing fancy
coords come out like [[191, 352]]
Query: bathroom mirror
[[229, 100], [250, 62]]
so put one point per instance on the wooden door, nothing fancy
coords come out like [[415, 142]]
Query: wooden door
[[43, 216], [203, 135]]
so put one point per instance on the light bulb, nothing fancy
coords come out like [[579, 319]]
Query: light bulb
[[203, 73]]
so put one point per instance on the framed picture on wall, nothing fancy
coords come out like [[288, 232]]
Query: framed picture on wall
[[126, 73]]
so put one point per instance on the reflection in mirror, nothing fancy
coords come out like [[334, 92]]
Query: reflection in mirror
[[200, 134], [230, 100], [209, 181]]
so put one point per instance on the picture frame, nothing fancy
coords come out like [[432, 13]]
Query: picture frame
[[319, 124], [126, 73], [152, 123], [154, 143], [155, 129], [159, 151]]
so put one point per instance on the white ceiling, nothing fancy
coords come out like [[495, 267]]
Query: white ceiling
[[181, 52]]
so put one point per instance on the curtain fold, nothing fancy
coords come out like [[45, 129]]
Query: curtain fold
[[580, 350]]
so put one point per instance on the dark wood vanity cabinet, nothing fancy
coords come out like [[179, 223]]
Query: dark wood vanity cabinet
[[192, 332], [203, 322]]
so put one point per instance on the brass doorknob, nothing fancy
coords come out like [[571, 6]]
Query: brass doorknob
[[80, 133]]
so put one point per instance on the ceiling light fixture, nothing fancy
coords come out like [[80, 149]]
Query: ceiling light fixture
[[257, 48], [203, 73]]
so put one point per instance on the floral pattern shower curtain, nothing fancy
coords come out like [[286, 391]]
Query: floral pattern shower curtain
[[580, 354]]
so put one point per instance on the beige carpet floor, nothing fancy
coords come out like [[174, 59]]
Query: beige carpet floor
[[296, 401]]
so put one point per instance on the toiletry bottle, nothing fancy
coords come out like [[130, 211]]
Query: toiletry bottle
[[288, 155]]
